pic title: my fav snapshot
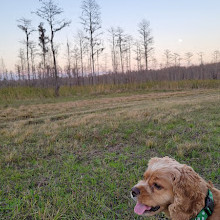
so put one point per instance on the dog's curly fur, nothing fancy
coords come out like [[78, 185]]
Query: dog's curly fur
[[176, 188]]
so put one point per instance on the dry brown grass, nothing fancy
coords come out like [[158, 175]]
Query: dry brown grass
[[183, 149], [23, 121]]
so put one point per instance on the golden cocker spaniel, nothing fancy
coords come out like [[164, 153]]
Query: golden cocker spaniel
[[177, 190]]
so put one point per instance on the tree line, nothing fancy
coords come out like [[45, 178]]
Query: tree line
[[87, 58]]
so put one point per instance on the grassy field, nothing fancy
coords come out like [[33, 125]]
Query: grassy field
[[77, 158], [14, 95]]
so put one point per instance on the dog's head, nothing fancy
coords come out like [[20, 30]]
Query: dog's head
[[167, 186]]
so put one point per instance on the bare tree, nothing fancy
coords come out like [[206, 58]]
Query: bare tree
[[188, 55], [33, 51], [201, 54], [25, 25], [121, 44], [168, 57], [146, 40], [49, 12], [68, 56], [21, 57], [43, 41], [113, 34], [129, 41], [138, 54], [83, 48], [176, 57], [76, 57], [91, 20], [18, 69], [216, 56], [98, 53], [3, 70]]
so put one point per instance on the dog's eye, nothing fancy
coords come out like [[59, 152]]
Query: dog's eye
[[157, 186]]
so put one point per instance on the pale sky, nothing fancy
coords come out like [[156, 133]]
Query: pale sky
[[178, 25]]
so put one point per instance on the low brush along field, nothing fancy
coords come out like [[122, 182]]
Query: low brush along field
[[78, 158]]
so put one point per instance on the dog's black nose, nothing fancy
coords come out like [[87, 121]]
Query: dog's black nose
[[135, 191]]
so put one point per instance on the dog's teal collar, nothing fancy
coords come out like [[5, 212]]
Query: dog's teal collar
[[208, 209]]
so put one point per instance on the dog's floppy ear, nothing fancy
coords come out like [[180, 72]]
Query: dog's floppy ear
[[187, 188]]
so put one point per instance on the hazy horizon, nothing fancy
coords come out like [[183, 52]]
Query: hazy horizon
[[181, 27]]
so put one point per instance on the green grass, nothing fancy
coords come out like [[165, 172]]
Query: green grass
[[76, 158]]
